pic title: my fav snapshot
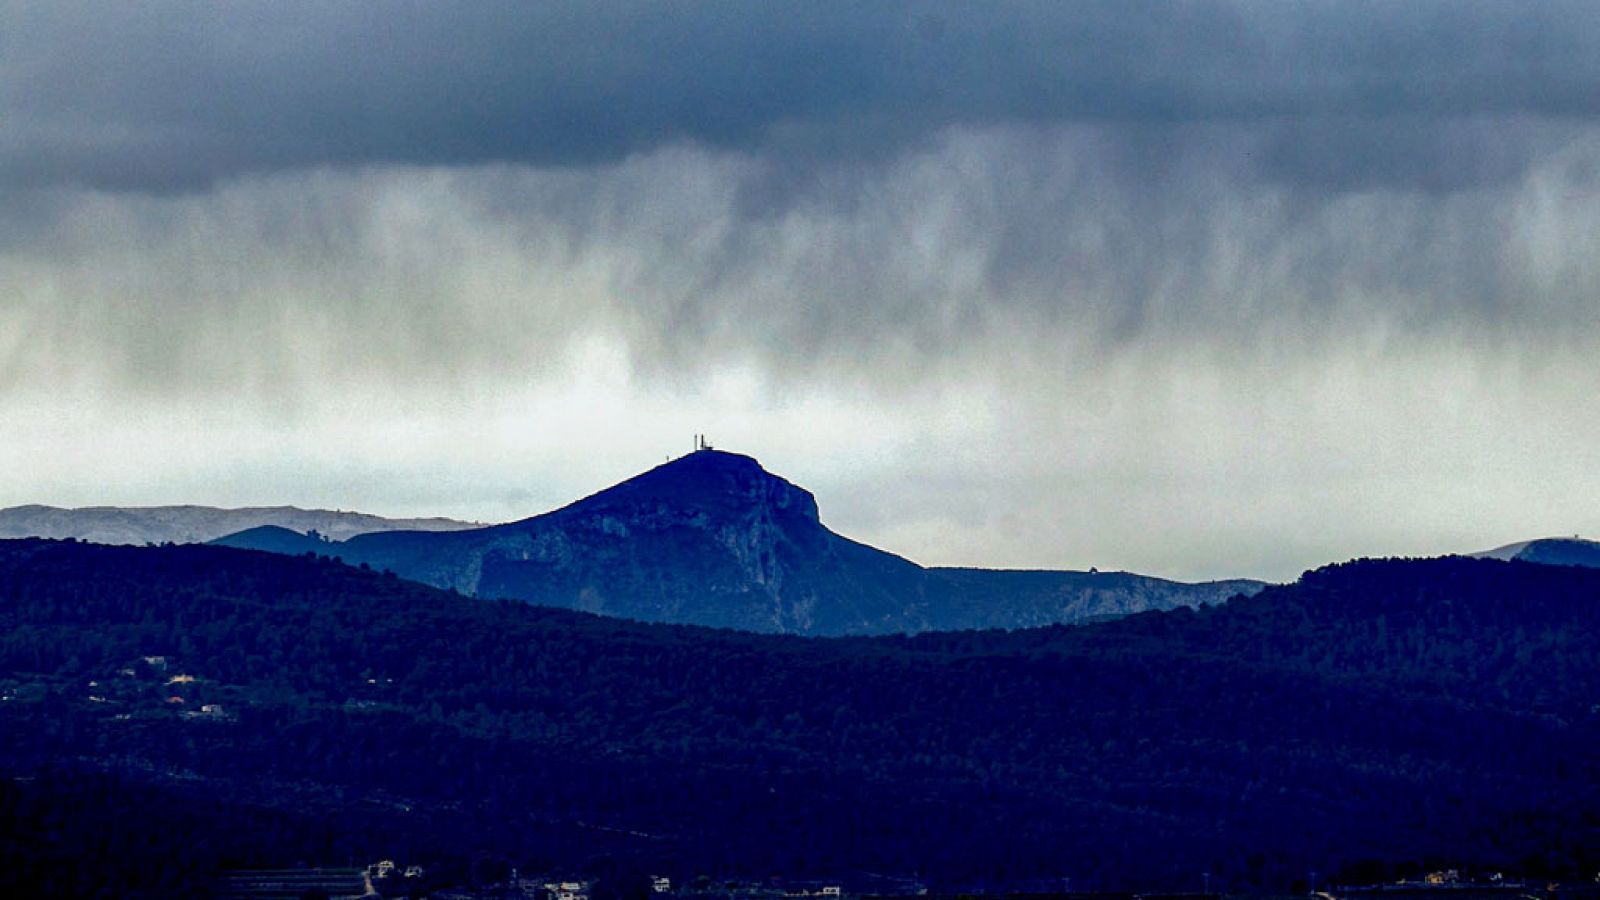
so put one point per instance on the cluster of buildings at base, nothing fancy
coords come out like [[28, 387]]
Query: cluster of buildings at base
[[661, 887], [387, 879], [147, 686], [1450, 884]]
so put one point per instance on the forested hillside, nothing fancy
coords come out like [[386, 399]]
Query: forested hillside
[[1377, 713]]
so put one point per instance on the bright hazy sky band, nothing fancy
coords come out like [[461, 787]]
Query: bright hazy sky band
[[1199, 289]]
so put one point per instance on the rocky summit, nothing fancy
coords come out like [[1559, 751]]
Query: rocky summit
[[712, 538]]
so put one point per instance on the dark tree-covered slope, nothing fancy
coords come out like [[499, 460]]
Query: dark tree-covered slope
[[1438, 710], [713, 539]]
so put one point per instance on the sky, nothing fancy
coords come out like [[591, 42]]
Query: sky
[[1196, 289]]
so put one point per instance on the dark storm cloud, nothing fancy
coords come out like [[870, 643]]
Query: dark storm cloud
[[877, 190], [158, 96], [1199, 288]]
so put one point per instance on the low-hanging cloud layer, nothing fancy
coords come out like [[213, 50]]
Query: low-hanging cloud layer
[[1199, 289]]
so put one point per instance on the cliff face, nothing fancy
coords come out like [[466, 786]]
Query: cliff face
[[714, 539], [710, 539]]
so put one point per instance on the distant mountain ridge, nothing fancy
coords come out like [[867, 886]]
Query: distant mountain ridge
[[196, 524], [1573, 551], [714, 539]]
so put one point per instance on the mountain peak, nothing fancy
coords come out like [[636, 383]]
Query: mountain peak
[[711, 481], [713, 538]]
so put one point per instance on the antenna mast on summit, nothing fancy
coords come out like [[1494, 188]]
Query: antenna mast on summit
[[700, 443]]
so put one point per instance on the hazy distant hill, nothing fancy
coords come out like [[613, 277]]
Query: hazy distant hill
[[275, 540], [1550, 551], [1374, 718], [713, 539], [195, 524]]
